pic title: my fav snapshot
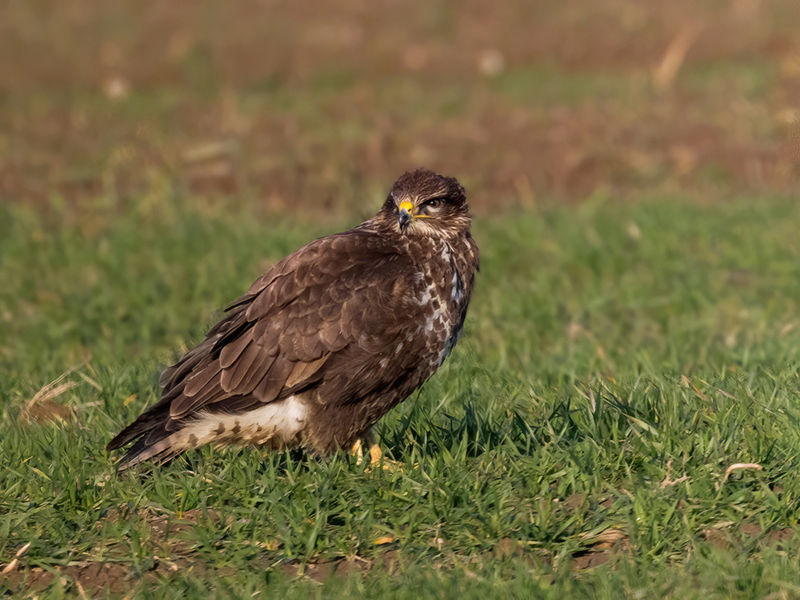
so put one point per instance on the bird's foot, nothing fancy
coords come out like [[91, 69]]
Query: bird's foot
[[376, 457]]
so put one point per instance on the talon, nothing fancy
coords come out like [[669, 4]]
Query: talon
[[357, 449], [376, 458], [375, 454]]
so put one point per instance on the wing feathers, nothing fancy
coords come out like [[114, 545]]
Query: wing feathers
[[234, 349], [270, 386], [250, 359], [201, 378], [329, 299], [176, 373], [255, 375], [303, 371]]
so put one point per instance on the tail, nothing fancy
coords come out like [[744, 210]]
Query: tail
[[153, 435]]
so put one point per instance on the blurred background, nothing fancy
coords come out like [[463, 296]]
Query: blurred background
[[290, 107]]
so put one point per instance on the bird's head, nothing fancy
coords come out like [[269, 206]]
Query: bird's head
[[424, 203]]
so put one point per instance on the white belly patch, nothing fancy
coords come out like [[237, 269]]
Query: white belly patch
[[276, 424]]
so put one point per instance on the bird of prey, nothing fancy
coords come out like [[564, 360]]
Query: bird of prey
[[329, 339]]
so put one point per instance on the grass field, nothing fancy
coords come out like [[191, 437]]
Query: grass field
[[617, 360]]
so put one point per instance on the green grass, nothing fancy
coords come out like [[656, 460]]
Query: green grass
[[603, 342], [547, 85]]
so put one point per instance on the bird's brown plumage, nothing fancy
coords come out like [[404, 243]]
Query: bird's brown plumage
[[330, 338]]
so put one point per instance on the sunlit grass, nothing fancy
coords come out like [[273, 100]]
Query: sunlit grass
[[610, 350]]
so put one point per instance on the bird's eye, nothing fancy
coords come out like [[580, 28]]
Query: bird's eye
[[433, 203]]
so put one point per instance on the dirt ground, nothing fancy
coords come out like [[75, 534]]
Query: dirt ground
[[173, 536], [290, 107]]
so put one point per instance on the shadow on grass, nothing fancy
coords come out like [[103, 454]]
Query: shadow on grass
[[482, 428], [473, 433]]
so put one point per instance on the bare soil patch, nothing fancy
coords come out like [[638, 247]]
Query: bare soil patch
[[289, 109]]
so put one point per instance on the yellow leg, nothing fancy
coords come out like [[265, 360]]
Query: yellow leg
[[376, 456], [357, 450]]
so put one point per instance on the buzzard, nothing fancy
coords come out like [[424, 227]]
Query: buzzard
[[329, 339]]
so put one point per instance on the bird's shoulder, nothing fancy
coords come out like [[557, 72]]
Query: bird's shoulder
[[344, 291], [333, 268]]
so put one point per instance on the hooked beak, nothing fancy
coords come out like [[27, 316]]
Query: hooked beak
[[405, 215]]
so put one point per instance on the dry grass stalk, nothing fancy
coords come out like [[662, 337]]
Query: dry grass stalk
[[42, 407], [737, 467], [667, 70], [668, 481], [12, 566]]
